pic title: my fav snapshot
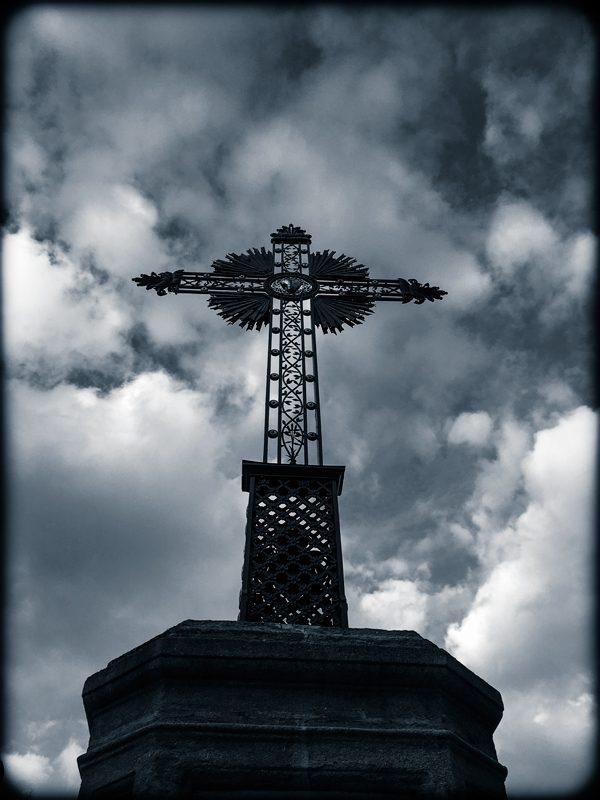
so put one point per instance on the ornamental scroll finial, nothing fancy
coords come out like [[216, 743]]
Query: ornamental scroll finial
[[162, 283], [419, 292]]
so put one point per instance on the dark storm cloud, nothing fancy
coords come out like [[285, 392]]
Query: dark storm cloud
[[150, 357], [449, 146]]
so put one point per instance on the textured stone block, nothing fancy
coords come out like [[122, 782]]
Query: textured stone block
[[249, 710]]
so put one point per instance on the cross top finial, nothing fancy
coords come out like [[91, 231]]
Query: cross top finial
[[290, 234]]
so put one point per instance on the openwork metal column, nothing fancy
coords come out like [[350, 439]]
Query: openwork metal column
[[293, 559], [292, 416], [293, 563]]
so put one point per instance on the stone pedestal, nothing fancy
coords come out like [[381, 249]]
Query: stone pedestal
[[249, 710], [293, 569]]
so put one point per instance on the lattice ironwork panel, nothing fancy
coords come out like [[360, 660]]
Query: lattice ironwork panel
[[293, 574]]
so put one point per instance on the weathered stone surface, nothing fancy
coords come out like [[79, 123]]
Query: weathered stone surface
[[250, 710]]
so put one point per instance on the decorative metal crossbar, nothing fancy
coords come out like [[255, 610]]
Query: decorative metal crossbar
[[293, 291]]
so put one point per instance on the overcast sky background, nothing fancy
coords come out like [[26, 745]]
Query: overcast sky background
[[447, 145]]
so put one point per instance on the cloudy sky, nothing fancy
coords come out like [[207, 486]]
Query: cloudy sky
[[451, 146]]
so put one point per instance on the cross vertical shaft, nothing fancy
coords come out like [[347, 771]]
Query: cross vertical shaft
[[292, 411]]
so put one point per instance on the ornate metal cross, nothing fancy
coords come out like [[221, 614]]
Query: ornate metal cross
[[293, 291], [293, 557]]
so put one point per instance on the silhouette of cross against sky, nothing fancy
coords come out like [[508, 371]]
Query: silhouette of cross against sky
[[293, 291], [452, 146]]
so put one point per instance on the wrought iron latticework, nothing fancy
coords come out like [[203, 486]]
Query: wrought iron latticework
[[293, 560], [292, 291]]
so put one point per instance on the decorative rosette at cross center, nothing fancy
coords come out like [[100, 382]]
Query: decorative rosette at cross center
[[291, 286]]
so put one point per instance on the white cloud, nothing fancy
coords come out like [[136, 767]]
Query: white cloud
[[31, 770], [580, 258], [462, 535], [55, 309], [278, 147], [530, 621], [559, 270], [521, 106], [421, 436], [37, 730], [556, 722], [396, 594], [396, 605], [519, 232], [144, 428], [499, 479], [471, 428], [66, 764], [131, 463], [530, 124], [28, 158], [115, 222], [461, 276], [538, 582], [518, 112], [558, 393], [28, 769]]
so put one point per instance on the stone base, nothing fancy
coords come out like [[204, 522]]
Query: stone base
[[250, 710]]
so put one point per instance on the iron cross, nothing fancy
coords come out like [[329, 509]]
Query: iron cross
[[293, 291]]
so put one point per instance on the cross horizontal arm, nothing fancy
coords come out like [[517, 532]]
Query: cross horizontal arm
[[393, 289], [181, 282], [396, 289]]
